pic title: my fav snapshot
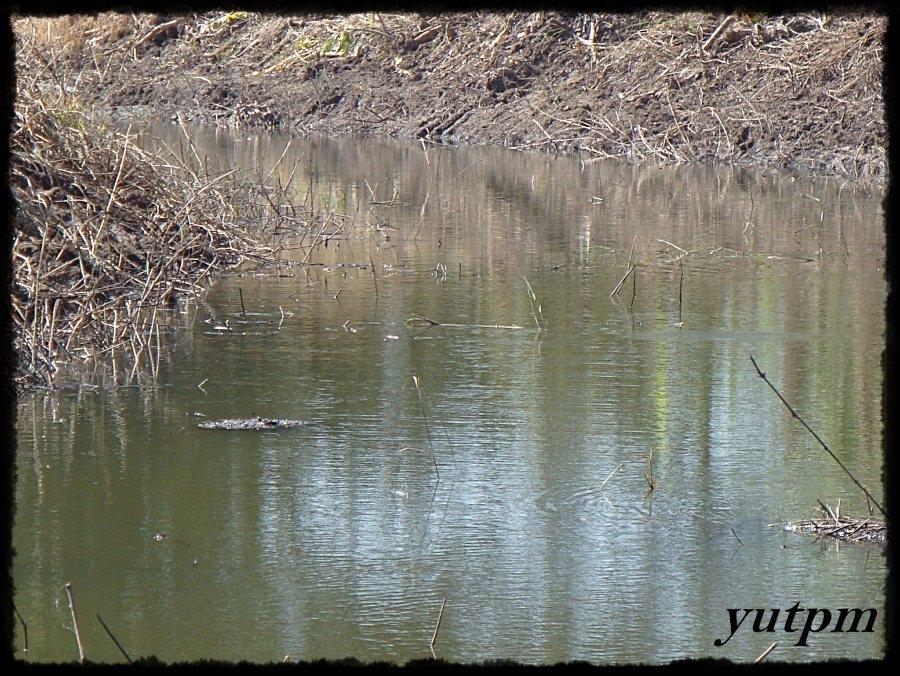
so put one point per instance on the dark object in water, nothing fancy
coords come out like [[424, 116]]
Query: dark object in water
[[256, 423]]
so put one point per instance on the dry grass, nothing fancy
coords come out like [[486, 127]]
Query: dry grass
[[799, 90], [108, 237], [69, 35]]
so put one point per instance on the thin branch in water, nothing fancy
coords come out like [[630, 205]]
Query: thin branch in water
[[243, 309], [606, 480], [110, 634], [737, 538], [651, 483], [416, 319], [374, 276], [828, 511], [75, 622], [437, 627], [674, 246], [633, 290], [427, 428], [532, 299], [628, 271], [762, 375], [24, 628], [766, 652]]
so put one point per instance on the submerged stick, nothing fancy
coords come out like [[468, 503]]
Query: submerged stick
[[762, 375], [437, 627], [75, 622], [606, 480], [374, 276], [427, 429], [628, 271], [24, 628], [532, 299], [243, 309], [633, 291], [110, 634], [425, 320], [651, 484], [766, 652]]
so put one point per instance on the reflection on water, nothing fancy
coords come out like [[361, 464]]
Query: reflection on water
[[513, 484]]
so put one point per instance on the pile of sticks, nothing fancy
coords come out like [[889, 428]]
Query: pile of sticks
[[849, 529], [107, 237]]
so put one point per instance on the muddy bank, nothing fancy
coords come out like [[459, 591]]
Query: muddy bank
[[800, 92]]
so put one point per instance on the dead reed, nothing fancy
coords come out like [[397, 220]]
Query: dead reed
[[108, 237]]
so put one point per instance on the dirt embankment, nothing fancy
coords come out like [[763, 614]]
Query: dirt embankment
[[794, 91]]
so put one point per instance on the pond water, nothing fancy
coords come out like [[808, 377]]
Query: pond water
[[511, 486]]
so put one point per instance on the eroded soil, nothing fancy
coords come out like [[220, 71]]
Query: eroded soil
[[799, 92]]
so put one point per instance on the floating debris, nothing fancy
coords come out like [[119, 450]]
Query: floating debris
[[848, 529], [256, 423]]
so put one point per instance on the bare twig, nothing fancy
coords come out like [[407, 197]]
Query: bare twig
[[762, 375], [114, 640], [532, 299], [427, 428], [75, 622], [628, 271], [651, 483], [374, 276], [24, 628], [766, 652], [437, 626]]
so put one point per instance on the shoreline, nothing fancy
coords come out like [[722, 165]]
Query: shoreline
[[801, 93]]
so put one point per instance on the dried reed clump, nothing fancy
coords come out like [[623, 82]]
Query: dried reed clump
[[848, 529], [107, 235], [70, 34]]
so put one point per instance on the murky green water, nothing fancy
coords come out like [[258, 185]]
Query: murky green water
[[536, 525]]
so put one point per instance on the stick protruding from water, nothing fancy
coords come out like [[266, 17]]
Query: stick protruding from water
[[790, 408], [75, 622], [437, 626]]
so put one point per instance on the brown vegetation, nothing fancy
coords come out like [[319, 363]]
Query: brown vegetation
[[798, 91], [108, 238]]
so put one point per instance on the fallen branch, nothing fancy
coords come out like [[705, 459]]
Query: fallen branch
[[75, 622], [436, 628], [816, 436], [110, 634], [766, 652]]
